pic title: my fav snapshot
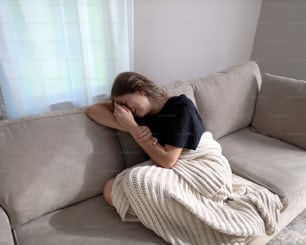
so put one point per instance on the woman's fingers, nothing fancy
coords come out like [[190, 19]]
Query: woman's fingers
[[124, 117], [143, 134], [154, 141], [121, 108]]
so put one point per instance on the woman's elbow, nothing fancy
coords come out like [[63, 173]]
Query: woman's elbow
[[167, 164], [91, 111], [169, 159], [88, 111]]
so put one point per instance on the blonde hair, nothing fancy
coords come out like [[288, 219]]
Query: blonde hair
[[130, 82]]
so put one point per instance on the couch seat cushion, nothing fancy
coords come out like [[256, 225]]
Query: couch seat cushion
[[91, 222], [272, 163]]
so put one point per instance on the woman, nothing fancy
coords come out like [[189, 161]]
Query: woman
[[192, 202], [163, 126]]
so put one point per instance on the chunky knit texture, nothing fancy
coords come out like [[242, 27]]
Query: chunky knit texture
[[195, 202]]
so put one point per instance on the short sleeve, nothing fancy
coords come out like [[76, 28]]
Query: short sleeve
[[186, 127]]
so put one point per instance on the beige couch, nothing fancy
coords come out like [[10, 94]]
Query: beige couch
[[53, 166]]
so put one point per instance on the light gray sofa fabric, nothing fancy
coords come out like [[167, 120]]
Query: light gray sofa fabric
[[54, 160], [131, 151], [280, 109], [226, 100], [6, 236], [90, 222], [181, 87], [272, 163]]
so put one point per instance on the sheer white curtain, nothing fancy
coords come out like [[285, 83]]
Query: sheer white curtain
[[54, 51]]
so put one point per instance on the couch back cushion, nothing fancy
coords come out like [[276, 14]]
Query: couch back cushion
[[132, 152], [281, 109], [226, 100], [54, 160], [176, 88]]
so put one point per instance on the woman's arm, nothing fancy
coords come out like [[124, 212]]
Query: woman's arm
[[103, 114], [164, 156]]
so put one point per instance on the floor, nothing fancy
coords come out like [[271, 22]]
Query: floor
[[293, 234]]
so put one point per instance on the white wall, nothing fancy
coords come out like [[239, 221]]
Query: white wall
[[280, 43], [184, 39]]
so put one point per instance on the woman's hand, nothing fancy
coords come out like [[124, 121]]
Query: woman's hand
[[143, 133], [124, 117], [103, 114]]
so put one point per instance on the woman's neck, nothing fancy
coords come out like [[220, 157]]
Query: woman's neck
[[157, 105]]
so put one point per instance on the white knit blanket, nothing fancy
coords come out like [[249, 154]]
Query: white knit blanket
[[195, 202]]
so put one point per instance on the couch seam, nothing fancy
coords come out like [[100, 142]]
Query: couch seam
[[56, 210], [42, 117]]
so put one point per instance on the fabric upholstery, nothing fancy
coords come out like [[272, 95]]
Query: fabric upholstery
[[54, 160], [297, 205], [180, 87], [267, 161], [286, 216], [280, 109], [91, 222], [6, 237], [271, 163], [131, 151], [226, 100]]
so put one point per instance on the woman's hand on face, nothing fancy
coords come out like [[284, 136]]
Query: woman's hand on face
[[124, 117]]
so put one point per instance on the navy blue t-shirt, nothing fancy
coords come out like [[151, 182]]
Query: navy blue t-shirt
[[178, 123]]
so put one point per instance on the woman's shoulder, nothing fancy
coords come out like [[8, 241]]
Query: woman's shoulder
[[180, 100]]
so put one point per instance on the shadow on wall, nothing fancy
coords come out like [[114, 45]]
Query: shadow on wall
[[280, 41]]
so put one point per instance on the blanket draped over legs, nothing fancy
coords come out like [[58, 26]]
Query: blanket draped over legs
[[195, 202]]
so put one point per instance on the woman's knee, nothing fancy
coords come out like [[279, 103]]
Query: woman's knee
[[107, 191]]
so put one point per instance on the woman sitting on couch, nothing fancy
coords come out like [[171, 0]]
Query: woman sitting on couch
[[163, 126]]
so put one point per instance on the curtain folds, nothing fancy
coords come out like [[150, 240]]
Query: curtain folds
[[57, 51], [2, 107]]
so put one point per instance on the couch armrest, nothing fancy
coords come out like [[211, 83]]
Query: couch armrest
[[6, 236]]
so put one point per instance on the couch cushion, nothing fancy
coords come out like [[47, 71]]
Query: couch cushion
[[53, 160], [176, 88], [91, 222], [6, 236], [226, 100], [131, 151], [267, 161], [281, 109]]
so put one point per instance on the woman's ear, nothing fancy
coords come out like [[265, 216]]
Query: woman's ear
[[142, 92]]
